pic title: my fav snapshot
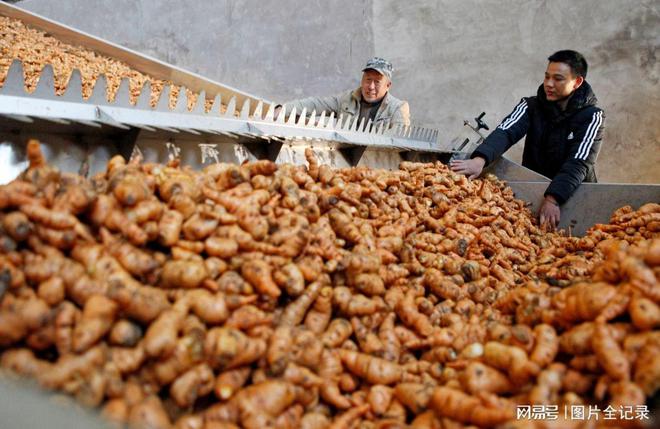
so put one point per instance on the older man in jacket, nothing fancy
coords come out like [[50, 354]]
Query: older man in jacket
[[371, 101]]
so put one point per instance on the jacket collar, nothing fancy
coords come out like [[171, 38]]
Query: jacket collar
[[582, 97]]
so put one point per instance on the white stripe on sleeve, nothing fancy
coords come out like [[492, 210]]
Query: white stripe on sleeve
[[589, 136], [587, 133], [515, 116], [595, 133]]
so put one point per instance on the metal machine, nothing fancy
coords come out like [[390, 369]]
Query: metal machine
[[81, 135]]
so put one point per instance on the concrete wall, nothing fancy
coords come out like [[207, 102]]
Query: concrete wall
[[274, 49], [458, 58], [452, 58]]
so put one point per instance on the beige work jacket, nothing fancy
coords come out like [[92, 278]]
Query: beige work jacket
[[348, 104]]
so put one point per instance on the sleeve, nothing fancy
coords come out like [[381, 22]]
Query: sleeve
[[582, 155], [509, 132], [402, 115], [320, 104]]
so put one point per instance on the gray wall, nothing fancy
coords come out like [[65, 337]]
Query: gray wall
[[452, 58]]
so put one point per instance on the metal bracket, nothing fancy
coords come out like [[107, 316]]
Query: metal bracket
[[353, 154], [126, 142], [269, 151]]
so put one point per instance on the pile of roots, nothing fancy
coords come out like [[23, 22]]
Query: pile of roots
[[266, 295]]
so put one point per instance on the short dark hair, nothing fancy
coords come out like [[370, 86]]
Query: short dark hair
[[575, 61]]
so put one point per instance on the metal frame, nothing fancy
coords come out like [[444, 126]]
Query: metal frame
[[17, 104], [591, 203], [512, 171]]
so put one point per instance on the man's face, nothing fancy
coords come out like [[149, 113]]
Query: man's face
[[559, 82], [374, 86]]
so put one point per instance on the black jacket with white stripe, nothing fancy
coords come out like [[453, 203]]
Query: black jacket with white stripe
[[562, 145]]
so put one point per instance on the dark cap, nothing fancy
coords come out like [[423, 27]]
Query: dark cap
[[381, 65]]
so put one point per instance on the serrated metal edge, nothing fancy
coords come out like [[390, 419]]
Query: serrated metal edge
[[163, 104], [14, 82], [73, 91], [369, 127], [245, 110], [258, 110], [217, 105], [302, 117], [99, 94], [331, 121], [339, 123], [123, 94], [346, 126], [46, 84], [291, 120], [231, 108], [281, 114], [144, 99], [270, 114], [200, 106], [181, 105]]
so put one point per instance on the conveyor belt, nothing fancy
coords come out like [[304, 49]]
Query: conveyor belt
[[136, 60], [253, 132], [16, 103]]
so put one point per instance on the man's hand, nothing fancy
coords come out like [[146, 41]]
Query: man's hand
[[549, 212], [470, 167]]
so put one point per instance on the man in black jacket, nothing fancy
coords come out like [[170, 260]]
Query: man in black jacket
[[563, 128]]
